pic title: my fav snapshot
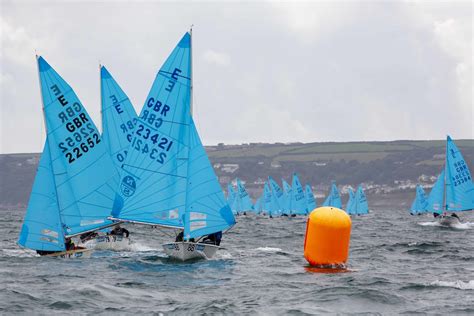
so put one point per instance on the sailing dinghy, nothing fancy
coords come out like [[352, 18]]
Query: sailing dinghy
[[167, 179], [310, 200], [333, 198], [118, 122], [73, 189]]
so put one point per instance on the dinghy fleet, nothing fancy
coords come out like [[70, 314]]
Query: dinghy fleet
[[292, 201], [152, 169]]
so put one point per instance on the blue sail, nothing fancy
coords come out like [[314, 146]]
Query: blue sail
[[436, 196], [459, 186], [287, 193], [246, 202], [42, 228], [420, 202], [268, 205], [277, 197], [298, 200], [153, 182], [231, 197], [362, 206], [333, 199], [310, 200], [258, 205], [118, 118], [207, 211], [350, 207], [83, 171]]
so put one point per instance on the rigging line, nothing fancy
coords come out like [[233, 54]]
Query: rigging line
[[171, 73]]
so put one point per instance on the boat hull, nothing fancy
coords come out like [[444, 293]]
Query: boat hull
[[184, 250], [109, 242], [72, 254], [448, 221]]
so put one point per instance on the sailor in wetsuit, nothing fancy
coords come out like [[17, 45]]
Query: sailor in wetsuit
[[119, 231], [213, 239]]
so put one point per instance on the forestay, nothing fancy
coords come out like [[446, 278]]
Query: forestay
[[42, 228], [83, 171], [459, 186]]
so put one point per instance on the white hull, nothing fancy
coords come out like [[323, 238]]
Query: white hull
[[109, 242], [72, 254], [448, 221], [184, 250]]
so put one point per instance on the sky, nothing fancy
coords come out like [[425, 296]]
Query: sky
[[263, 71]]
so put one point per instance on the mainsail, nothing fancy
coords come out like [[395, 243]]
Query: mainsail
[[268, 202], [287, 194], [298, 201], [42, 228], [277, 197], [362, 206], [350, 207], [333, 199], [167, 178], [118, 118], [245, 201], [153, 182], [459, 186], [83, 172], [310, 201]]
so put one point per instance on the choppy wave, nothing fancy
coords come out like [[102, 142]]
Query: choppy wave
[[462, 285]]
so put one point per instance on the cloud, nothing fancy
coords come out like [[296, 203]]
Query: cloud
[[216, 58]]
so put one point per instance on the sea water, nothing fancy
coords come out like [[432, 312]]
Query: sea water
[[398, 264]]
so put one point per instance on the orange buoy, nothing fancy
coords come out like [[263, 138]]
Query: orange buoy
[[328, 233]]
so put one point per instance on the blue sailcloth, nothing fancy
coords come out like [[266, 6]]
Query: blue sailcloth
[[277, 197], [231, 197], [287, 194], [436, 196], [298, 200], [84, 174], [350, 207], [333, 199], [42, 228], [420, 202], [258, 205], [206, 210], [459, 186], [268, 205], [362, 206], [153, 182], [310, 200], [118, 118], [245, 201]]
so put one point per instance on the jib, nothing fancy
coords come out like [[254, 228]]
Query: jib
[[76, 122]]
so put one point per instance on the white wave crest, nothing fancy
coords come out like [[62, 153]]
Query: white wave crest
[[455, 284], [268, 249], [18, 253], [135, 246]]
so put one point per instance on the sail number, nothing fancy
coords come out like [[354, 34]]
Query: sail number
[[151, 144], [462, 173], [77, 152]]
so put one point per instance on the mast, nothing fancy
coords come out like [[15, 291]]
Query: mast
[[445, 189], [191, 63], [100, 98]]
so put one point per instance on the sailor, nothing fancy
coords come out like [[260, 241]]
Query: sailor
[[179, 237], [455, 215], [435, 215], [69, 244], [119, 231], [214, 239], [88, 236]]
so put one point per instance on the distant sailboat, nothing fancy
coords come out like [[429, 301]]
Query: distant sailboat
[[245, 203], [287, 195], [457, 186], [72, 193], [298, 199], [350, 206], [360, 202], [167, 178], [333, 198], [231, 196], [268, 203], [420, 202], [277, 197], [310, 200]]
